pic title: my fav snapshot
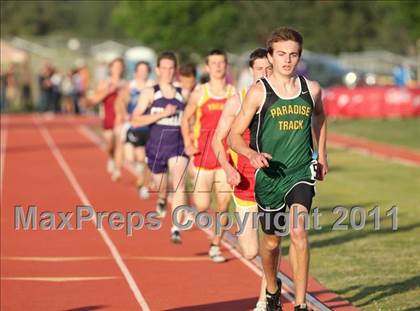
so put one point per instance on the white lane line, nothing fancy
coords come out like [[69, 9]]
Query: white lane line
[[77, 188], [3, 143], [59, 279], [101, 258]]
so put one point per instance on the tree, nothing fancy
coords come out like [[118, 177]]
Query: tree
[[68, 18], [184, 26]]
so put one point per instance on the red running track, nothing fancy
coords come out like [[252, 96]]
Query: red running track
[[50, 164], [393, 152]]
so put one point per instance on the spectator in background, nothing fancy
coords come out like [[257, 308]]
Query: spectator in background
[[11, 85], [56, 80], [84, 85], [402, 75], [67, 92], [3, 105], [245, 78], [76, 81], [45, 87], [26, 90]]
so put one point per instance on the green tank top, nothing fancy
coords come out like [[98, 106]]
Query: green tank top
[[282, 128]]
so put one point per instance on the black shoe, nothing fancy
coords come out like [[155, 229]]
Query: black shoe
[[273, 300], [302, 307], [176, 237], [161, 208]]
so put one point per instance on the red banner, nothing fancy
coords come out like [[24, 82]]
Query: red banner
[[372, 102]]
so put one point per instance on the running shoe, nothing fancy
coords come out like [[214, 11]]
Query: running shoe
[[144, 193], [261, 306], [161, 208], [273, 300], [302, 307], [215, 254], [110, 165], [116, 174], [176, 237]]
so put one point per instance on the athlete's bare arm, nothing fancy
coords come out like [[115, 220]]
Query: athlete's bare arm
[[189, 114], [319, 125], [101, 91], [121, 103], [146, 98], [252, 102], [233, 104]]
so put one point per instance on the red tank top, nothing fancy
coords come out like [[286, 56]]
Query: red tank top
[[208, 113], [109, 109]]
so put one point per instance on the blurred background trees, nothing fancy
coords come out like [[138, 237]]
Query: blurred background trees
[[195, 26]]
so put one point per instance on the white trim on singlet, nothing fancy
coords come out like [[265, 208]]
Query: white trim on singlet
[[286, 98], [310, 93], [159, 95], [259, 115], [179, 97], [264, 98], [228, 92]]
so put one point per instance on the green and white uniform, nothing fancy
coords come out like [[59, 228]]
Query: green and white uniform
[[282, 128]]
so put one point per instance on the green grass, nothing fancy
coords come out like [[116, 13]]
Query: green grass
[[374, 270], [403, 132]]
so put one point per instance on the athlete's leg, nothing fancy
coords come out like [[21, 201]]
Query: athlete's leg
[[202, 187], [143, 174], [223, 196], [109, 143], [178, 170], [161, 182], [299, 251], [248, 239], [118, 152], [129, 153], [270, 257]]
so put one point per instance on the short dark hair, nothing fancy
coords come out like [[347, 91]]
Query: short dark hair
[[117, 59], [167, 55], [257, 54], [284, 34], [120, 60], [188, 70], [142, 62], [216, 52]]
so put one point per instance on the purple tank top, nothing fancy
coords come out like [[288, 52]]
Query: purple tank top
[[166, 130]]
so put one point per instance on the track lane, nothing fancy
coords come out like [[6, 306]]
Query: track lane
[[33, 177]]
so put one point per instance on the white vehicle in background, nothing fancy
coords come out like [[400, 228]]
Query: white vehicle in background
[[330, 72], [139, 53]]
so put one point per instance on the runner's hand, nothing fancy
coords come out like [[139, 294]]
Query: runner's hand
[[259, 160], [169, 110], [322, 168], [190, 150], [232, 176]]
